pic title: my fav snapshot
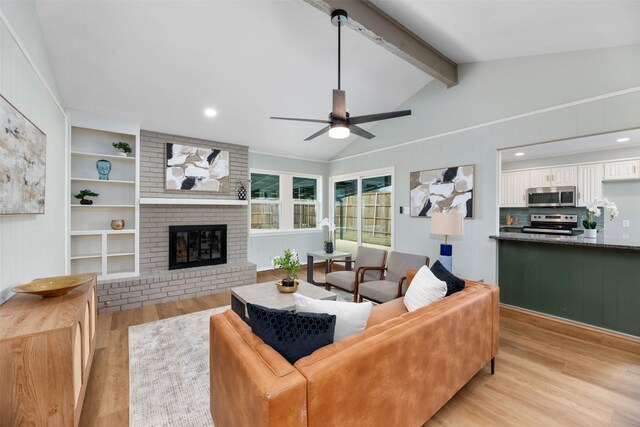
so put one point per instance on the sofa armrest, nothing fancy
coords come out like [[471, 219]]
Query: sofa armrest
[[251, 384]]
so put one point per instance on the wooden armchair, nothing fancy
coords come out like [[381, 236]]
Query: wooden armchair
[[366, 258], [393, 285]]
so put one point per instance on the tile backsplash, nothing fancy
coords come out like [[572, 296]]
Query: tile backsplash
[[524, 215]]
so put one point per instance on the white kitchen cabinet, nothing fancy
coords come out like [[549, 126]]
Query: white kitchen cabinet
[[625, 169], [539, 177], [590, 183], [554, 177], [513, 189], [563, 176]]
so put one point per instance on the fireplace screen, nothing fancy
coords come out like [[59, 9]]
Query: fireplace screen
[[197, 245]]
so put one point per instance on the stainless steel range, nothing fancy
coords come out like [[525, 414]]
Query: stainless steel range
[[560, 224]]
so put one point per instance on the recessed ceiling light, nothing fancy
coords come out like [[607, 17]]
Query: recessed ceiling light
[[519, 154], [210, 112], [622, 139]]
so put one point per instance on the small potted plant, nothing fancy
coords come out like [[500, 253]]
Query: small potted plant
[[593, 211], [290, 263], [86, 193], [123, 147], [331, 228]]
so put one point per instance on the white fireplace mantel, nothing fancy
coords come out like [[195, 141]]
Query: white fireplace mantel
[[200, 202]]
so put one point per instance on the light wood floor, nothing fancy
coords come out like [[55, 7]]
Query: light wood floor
[[542, 378]]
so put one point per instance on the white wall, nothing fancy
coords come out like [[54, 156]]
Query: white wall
[[263, 247], [33, 246], [497, 104]]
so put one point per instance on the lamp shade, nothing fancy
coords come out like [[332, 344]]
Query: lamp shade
[[447, 224]]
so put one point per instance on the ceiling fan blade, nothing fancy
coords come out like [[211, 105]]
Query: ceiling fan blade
[[339, 110], [376, 117], [320, 132], [302, 120], [361, 132]]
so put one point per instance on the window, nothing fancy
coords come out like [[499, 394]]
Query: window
[[305, 202], [265, 201], [281, 201], [363, 210]]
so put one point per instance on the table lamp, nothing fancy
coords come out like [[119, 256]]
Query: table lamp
[[447, 224]]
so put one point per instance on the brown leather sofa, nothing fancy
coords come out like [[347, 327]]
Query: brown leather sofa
[[399, 372]]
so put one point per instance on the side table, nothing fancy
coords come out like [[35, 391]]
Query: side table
[[327, 257]]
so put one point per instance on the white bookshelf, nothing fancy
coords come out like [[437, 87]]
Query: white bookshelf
[[93, 245]]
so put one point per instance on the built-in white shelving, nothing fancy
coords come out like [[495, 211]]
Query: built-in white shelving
[[100, 181], [94, 246]]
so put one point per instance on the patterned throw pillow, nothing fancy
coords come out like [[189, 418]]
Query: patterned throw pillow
[[293, 335], [454, 284]]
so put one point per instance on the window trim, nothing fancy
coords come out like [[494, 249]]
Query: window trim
[[286, 202]]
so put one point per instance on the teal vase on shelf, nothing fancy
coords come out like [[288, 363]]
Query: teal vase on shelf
[[104, 168]]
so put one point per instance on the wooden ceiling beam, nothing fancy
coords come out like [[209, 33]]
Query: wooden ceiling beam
[[382, 29]]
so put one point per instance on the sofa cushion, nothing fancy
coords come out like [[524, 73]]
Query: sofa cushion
[[293, 335], [342, 279], [351, 317], [380, 290], [454, 284], [425, 289], [389, 310]]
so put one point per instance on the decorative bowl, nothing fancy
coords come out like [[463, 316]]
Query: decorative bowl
[[53, 286], [287, 289], [117, 224]]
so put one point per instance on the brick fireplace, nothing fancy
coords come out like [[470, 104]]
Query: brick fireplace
[[157, 282]]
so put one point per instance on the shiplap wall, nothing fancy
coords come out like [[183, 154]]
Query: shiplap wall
[[33, 246]]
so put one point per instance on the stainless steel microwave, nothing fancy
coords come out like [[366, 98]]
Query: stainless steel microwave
[[551, 197]]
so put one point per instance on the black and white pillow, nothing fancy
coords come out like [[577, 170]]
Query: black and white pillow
[[454, 284], [293, 335]]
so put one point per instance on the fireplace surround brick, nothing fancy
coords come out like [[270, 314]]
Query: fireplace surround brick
[[156, 283]]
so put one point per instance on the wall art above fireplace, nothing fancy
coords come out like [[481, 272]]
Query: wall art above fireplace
[[197, 245], [196, 168]]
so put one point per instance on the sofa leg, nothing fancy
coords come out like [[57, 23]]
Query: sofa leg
[[493, 366], [327, 286]]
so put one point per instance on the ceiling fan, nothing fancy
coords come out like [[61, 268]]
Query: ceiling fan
[[340, 125]]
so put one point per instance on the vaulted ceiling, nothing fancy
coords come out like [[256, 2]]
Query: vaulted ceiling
[[163, 62]]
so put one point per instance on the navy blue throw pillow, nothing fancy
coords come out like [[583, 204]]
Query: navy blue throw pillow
[[454, 284], [293, 335]]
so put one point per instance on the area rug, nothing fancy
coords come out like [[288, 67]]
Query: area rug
[[169, 371]]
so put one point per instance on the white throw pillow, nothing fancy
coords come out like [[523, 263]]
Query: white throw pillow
[[351, 317], [425, 288]]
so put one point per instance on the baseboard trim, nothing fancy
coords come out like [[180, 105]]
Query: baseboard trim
[[572, 328]]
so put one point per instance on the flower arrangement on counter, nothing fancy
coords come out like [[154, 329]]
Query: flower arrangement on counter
[[593, 211]]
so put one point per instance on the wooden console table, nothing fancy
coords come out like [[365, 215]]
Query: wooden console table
[[46, 350]]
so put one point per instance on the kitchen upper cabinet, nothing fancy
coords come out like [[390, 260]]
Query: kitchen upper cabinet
[[554, 177], [564, 176], [539, 177], [626, 169], [513, 189], [590, 183]]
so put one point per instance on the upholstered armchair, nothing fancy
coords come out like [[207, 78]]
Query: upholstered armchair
[[369, 265], [394, 283]]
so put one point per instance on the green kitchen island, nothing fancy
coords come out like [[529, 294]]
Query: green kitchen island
[[593, 281]]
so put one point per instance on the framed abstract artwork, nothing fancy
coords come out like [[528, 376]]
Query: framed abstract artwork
[[196, 169], [23, 156], [443, 190]]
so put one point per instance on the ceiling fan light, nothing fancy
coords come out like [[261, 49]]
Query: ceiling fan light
[[339, 132]]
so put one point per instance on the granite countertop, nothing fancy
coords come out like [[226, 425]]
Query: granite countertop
[[602, 241]]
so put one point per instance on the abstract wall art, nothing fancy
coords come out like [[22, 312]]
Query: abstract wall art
[[196, 168], [443, 190], [23, 157]]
